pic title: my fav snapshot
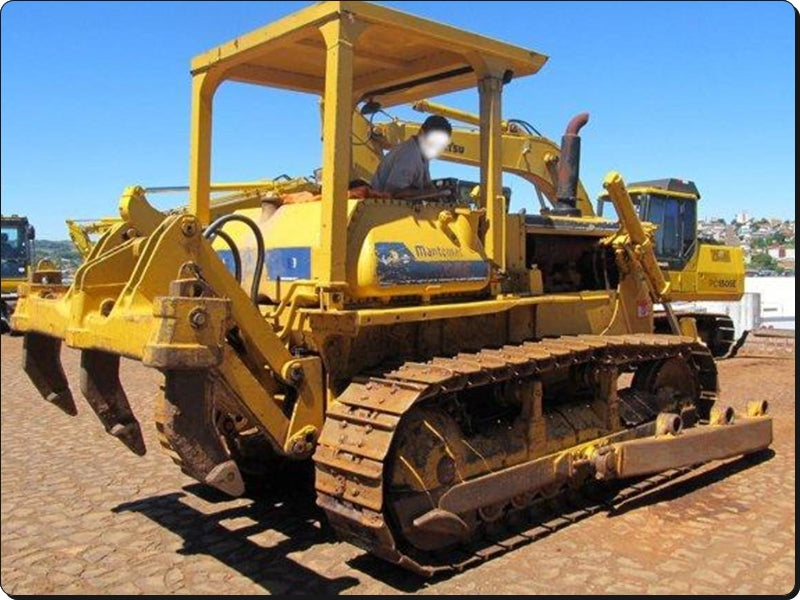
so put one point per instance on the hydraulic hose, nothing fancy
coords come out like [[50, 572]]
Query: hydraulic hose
[[237, 259], [214, 229]]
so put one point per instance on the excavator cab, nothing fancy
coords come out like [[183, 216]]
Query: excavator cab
[[697, 269], [18, 236], [671, 205], [16, 253]]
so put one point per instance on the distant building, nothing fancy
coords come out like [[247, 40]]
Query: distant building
[[731, 239], [743, 217], [781, 253]]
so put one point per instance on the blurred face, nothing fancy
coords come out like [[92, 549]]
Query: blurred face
[[433, 143]]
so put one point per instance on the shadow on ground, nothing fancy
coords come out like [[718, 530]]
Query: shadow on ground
[[287, 507]]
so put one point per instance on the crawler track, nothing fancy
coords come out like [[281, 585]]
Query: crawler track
[[354, 454]]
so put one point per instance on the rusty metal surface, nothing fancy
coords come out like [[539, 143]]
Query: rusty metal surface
[[41, 360], [350, 457], [693, 446], [185, 423], [103, 391]]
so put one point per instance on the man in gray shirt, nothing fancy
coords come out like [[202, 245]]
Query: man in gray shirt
[[405, 169]]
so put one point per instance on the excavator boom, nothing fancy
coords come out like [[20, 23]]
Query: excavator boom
[[530, 156]]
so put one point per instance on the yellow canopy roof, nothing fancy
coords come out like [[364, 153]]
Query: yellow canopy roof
[[397, 58]]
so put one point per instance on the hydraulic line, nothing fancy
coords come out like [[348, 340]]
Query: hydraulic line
[[237, 259], [214, 229]]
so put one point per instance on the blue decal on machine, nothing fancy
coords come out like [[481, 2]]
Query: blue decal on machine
[[284, 263], [226, 256], [288, 263], [398, 265]]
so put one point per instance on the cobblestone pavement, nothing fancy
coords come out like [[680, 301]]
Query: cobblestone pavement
[[80, 514]]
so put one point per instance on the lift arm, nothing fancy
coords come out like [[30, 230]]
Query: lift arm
[[640, 245]]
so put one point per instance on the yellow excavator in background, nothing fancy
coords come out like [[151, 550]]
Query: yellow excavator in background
[[696, 269], [17, 254]]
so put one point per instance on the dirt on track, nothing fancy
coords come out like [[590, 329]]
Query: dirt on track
[[81, 514]]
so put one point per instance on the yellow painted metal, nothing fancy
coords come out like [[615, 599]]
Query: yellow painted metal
[[639, 189], [309, 410], [397, 48], [81, 230], [204, 84], [384, 236], [489, 90], [641, 243], [10, 284], [455, 114], [340, 35], [521, 154], [688, 327], [147, 288], [714, 272]]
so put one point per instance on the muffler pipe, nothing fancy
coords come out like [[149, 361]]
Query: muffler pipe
[[103, 391], [569, 167], [41, 361]]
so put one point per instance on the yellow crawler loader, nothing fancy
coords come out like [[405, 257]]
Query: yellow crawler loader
[[446, 365]]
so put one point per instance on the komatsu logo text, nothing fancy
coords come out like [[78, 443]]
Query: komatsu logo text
[[436, 252]]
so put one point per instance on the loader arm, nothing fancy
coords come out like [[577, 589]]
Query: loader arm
[[641, 251], [531, 157], [639, 241]]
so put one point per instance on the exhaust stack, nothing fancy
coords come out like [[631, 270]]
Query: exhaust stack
[[569, 168]]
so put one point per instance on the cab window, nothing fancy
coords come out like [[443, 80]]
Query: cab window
[[664, 213], [13, 252], [676, 233]]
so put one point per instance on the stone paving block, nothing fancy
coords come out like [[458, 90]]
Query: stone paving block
[[81, 515]]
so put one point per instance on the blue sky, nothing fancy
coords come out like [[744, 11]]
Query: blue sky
[[95, 96]]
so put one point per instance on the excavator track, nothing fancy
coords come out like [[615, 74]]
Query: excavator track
[[355, 451]]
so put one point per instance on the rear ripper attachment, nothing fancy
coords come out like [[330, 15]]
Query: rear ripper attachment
[[423, 464], [166, 299]]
